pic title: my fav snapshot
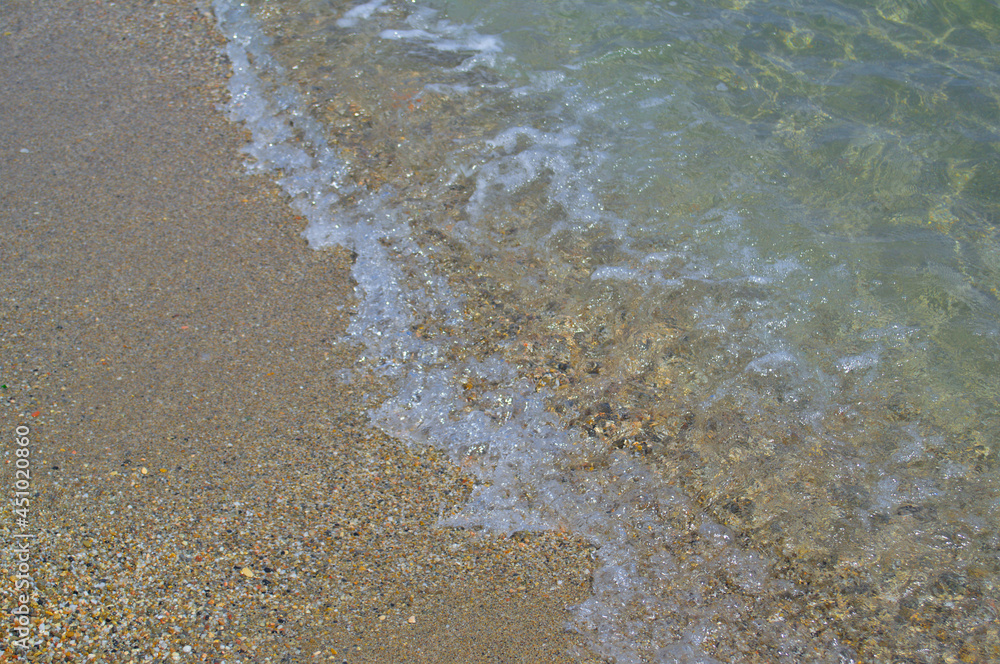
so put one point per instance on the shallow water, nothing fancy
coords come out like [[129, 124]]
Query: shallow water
[[712, 284]]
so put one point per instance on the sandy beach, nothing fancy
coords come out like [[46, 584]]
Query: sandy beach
[[204, 486]]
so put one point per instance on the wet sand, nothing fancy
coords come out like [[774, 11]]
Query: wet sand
[[204, 485]]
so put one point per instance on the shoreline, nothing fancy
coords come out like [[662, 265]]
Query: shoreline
[[203, 487]]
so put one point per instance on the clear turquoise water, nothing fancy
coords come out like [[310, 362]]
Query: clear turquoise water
[[746, 251]]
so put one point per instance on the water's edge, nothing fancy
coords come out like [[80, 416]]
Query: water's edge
[[676, 583]]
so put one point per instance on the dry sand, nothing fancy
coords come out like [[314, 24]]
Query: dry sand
[[203, 486]]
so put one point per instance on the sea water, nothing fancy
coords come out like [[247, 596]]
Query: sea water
[[713, 284]]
